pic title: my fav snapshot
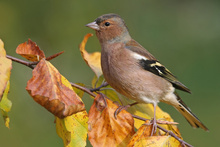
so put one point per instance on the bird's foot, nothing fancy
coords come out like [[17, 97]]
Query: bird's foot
[[154, 126], [153, 122]]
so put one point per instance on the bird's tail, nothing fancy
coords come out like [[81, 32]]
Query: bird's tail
[[190, 117]]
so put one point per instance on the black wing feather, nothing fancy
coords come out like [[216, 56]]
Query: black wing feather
[[155, 67]]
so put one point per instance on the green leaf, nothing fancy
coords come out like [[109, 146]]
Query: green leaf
[[73, 129], [5, 105]]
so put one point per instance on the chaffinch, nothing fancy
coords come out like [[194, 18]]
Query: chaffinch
[[134, 72]]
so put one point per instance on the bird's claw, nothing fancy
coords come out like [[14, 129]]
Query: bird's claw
[[154, 126], [153, 122]]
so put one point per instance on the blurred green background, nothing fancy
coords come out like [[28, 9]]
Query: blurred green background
[[183, 35]]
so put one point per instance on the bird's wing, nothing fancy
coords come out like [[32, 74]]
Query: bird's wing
[[150, 63]]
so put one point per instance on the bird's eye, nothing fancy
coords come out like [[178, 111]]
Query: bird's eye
[[107, 24]]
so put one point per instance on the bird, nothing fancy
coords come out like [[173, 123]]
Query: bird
[[134, 72]]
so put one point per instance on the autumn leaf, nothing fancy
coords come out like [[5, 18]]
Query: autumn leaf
[[2, 50], [104, 129], [30, 51], [5, 69], [142, 138], [93, 60], [73, 129], [51, 90], [5, 105]]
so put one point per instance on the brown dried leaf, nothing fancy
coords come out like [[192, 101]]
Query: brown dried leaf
[[93, 60], [30, 51], [142, 138], [5, 69], [51, 90], [104, 129]]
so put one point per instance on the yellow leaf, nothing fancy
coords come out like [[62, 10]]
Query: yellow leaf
[[93, 60], [5, 105], [5, 72], [73, 129], [157, 141], [5, 69], [104, 129], [2, 50], [143, 138], [51, 90]]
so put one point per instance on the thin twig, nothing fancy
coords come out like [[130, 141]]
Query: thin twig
[[83, 89], [26, 63], [98, 88], [183, 143], [30, 64], [54, 56]]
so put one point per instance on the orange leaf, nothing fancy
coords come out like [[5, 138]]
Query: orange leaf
[[104, 129], [5, 69], [93, 60], [142, 138], [51, 90], [30, 51]]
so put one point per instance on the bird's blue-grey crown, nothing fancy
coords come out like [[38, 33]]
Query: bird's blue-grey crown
[[104, 17]]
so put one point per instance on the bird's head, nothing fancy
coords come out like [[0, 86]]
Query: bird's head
[[110, 28]]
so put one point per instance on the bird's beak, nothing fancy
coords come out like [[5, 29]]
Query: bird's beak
[[93, 25]]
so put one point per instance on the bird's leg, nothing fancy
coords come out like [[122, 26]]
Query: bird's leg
[[154, 121], [118, 110]]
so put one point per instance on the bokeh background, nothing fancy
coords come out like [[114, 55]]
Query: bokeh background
[[183, 35]]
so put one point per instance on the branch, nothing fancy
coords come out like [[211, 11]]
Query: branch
[[98, 88], [26, 63], [54, 56], [83, 89], [30, 64]]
